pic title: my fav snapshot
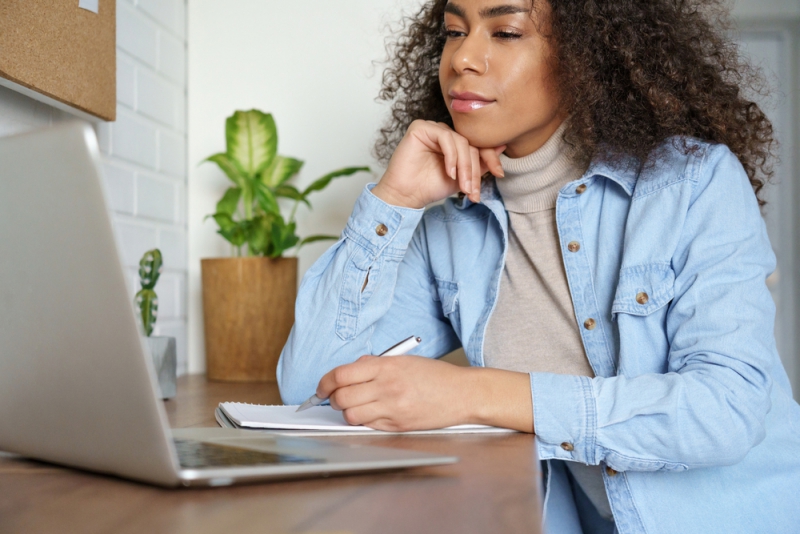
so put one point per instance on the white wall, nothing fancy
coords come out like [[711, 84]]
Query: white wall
[[309, 62], [144, 151], [767, 9]]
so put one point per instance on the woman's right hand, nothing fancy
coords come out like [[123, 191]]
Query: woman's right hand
[[433, 162]]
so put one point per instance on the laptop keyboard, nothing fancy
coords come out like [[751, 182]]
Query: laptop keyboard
[[198, 454]]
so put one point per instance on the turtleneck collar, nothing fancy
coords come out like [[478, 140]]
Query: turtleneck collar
[[532, 182]]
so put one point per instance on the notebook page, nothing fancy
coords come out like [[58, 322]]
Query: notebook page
[[314, 418]]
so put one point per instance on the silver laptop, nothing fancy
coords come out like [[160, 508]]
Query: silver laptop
[[75, 385]]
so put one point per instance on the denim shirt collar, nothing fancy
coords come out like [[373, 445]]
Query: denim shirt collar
[[625, 173]]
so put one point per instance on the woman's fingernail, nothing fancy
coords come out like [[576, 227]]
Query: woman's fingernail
[[453, 173]]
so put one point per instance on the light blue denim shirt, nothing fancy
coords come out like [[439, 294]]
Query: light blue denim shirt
[[690, 412]]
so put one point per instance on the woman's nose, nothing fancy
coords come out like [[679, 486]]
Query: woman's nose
[[471, 56]]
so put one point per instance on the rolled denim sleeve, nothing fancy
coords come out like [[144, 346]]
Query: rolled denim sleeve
[[709, 406], [363, 279]]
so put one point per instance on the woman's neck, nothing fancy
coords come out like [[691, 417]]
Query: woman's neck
[[533, 140], [532, 183]]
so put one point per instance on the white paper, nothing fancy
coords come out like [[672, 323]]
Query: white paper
[[315, 418], [90, 5]]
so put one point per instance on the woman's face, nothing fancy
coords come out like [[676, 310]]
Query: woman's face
[[494, 74]]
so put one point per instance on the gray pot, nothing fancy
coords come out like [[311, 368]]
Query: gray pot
[[165, 362]]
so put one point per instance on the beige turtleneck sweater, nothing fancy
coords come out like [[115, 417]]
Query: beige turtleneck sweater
[[533, 327]]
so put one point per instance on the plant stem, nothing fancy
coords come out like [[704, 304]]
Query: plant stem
[[294, 211], [248, 199]]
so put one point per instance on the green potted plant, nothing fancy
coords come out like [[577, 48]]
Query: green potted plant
[[161, 348], [248, 300]]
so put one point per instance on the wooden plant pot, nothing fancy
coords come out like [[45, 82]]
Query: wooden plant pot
[[248, 311]]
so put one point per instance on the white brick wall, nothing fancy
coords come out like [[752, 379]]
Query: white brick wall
[[144, 151]]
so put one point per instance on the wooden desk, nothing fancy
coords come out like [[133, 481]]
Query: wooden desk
[[491, 490]]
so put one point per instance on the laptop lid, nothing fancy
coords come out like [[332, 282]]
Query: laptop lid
[[75, 388], [75, 385]]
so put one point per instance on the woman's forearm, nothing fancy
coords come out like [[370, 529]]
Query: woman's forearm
[[500, 398]]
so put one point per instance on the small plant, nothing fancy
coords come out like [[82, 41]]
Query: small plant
[[249, 213], [150, 268]]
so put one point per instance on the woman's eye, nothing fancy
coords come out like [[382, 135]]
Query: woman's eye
[[452, 34], [507, 35]]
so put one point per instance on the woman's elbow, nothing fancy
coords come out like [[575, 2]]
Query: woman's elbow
[[289, 379], [731, 437]]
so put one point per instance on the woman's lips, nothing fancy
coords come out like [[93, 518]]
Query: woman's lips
[[466, 102]]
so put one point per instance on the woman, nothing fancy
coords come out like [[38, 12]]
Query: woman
[[608, 286]]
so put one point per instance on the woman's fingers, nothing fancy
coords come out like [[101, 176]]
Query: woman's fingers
[[355, 395], [456, 151], [491, 159], [447, 145], [475, 179], [347, 375], [464, 163], [363, 414]]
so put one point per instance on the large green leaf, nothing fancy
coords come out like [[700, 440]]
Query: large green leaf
[[259, 236], [289, 191], [282, 169], [224, 220], [267, 201], [323, 182], [228, 167], [234, 232], [229, 201], [283, 237], [248, 198], [252, 139]]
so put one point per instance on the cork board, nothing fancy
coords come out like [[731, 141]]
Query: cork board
[[61, 51]]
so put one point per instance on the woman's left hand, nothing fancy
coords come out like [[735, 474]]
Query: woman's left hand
[[399, 393]]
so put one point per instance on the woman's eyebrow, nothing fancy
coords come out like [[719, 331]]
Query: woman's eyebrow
[[486, 13]]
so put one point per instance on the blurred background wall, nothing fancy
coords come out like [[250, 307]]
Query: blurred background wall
[[312, 64], [144, 151]]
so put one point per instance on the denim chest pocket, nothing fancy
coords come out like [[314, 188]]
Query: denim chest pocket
[[643, 289], [447, 294]]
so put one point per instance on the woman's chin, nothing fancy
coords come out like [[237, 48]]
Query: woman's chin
[[479, 137]]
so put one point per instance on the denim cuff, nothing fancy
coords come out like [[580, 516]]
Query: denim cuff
[[564, 417], [376, 225]]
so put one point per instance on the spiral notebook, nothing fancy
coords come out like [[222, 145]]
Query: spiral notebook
[[317, 420]]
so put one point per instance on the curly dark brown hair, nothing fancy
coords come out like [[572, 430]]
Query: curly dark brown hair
[[630, 74]]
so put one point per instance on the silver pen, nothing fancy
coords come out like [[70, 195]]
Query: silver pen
[[396, 350]]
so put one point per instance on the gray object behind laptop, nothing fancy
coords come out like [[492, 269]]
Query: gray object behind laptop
[[75, 385]]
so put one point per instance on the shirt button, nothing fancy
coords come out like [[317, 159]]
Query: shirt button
[[611, 472], [642, 297], [567, 446], [580, 189], [589, 324], [381, 230], [573, 246]]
